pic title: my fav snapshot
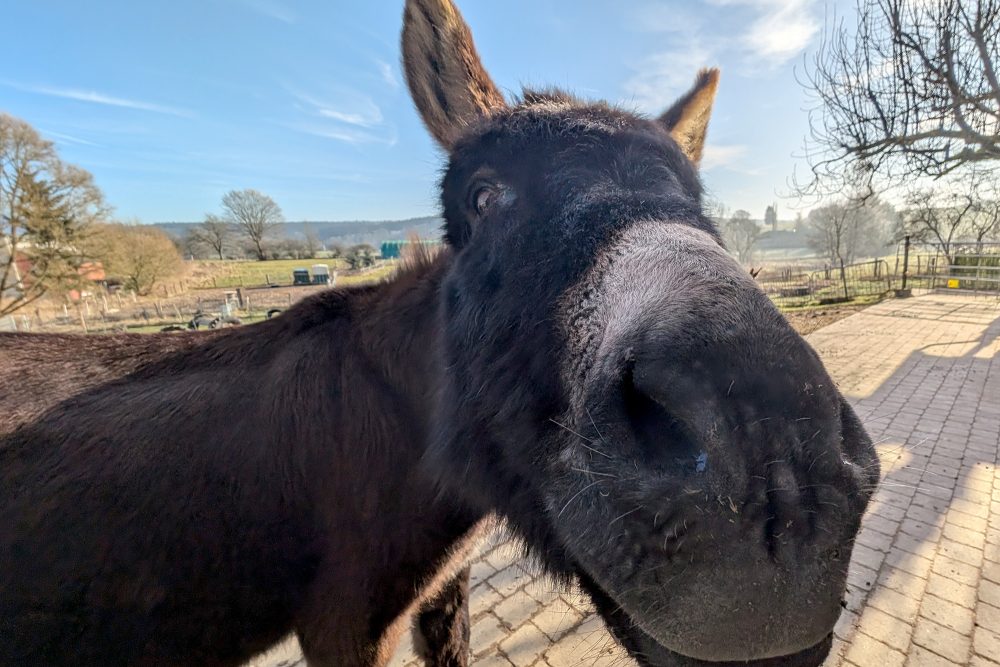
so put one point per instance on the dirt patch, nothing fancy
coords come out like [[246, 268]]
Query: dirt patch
[[807, 321]]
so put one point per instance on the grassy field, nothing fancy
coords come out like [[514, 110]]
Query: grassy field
[[215, 273]]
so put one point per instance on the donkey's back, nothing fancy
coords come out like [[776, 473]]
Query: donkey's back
[[147, 513], [39, 371]]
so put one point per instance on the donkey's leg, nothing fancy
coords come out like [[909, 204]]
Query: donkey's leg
[[441, 626], [335, 625]]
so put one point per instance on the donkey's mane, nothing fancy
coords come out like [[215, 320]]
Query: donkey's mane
[[556, 112]]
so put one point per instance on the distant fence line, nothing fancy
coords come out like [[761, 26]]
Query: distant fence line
[[966, 266], [791, 289], [101, 313]]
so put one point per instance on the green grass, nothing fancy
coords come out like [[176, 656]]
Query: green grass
[[247, 273], [858, 301], [369, 276]]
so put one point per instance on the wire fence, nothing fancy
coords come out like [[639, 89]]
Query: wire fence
[[790, 288], [971, 267]]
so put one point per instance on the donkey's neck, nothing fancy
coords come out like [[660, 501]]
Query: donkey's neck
[[398, 325]]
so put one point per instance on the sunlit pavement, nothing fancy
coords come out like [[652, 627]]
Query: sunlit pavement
[[924, 587]]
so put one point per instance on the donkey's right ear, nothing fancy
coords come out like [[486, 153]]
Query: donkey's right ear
[[687, 119], [446, 79]]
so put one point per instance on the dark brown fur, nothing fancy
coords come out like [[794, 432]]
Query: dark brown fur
[[272, 470]]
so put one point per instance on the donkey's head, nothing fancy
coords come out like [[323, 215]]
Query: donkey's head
[[616, 386]]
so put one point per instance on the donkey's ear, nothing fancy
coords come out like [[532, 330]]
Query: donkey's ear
[[446, 78], [687, 119]]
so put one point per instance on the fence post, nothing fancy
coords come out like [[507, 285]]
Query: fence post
[[843, 279], [906, 258]]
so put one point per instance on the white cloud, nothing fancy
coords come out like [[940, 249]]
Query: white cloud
[[352, 108], [662, 77], [272, 10], [348, 135], [68, 138], [718, 155], [388, 74], [95, 97], [781, 30]]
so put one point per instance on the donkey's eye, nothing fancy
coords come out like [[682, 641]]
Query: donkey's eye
[[483, 198]]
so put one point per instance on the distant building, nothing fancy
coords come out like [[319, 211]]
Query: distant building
[[21, 279]]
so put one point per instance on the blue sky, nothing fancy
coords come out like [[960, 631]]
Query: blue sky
[[171, 104]]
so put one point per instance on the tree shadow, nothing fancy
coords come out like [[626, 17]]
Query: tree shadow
[[936, 422]]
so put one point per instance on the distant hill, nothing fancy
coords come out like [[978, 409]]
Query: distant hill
[[348, 232]]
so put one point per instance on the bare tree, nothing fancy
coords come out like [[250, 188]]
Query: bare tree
[[845, 230], [985, 223], [254, 213], [336, 249], [313, 244], [939, 217], [45, 209], [716, 210], [911, 90], [741, 233], [828, 230], [140, 255], [212, 233]]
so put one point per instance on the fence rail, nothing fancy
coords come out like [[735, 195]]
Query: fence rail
[[789, 289], [966, 266]]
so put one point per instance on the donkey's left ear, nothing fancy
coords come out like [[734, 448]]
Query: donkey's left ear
[[447, 81], [687, 119]]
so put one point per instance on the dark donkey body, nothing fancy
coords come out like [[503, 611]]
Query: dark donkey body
[[192, 499], [584, 360]]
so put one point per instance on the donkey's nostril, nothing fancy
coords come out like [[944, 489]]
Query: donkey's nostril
[[663, 440]]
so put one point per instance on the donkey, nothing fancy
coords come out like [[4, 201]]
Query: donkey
[[584, 360]]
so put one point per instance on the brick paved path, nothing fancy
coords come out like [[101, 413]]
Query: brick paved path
[[924, 585]]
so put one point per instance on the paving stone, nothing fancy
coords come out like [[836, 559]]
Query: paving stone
[[483, 598], [902, 582], [508, 580], [909, 562], [956, 570], [988, 617], [887, 629], [525, 645], [556, 619], [987, 644], [918, 656], [893, 603], [588, 644], [485, 633], [864, 651], [946, 613], [941, 640], [479, 572], [961, 552], [516, 609], [989, 593], [951, 590]]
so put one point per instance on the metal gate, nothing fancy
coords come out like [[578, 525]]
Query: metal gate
[[965, 267]]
